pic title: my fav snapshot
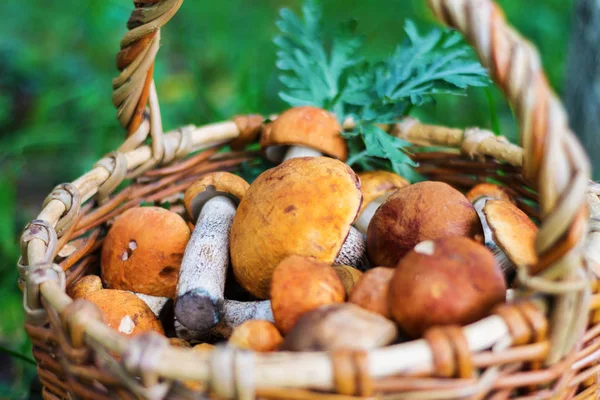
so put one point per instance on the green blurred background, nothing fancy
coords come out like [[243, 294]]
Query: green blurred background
[[57, 60]]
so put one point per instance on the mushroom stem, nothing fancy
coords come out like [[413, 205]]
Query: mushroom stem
[[353, 251], [234, 313], [362, 222], [300, 151], [155, 303], [204, 266]]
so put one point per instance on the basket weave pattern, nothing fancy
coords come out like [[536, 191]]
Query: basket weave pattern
[[544, 345]]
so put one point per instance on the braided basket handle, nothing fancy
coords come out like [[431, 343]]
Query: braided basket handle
[[554, 161]]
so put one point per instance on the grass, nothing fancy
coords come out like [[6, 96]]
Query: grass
[[216, 60]]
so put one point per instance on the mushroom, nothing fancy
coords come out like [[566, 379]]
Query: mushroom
[[371, 291], [301, 284], [304, 206], [256, 335], [303, 132], [210, 201], [233, 314], [340, 326], [376, 187], [422, 211], [448, 281], [160, 306], [348, 276], [125, 312], [142, 251], [509, 233], [488, 190]]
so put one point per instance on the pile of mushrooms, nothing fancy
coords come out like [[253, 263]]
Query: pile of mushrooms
[[313, 255]]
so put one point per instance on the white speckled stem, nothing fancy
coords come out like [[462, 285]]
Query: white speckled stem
[[353, 251], [204, 266], [234, 313], [300, 151], [156, 304], [363, 220]]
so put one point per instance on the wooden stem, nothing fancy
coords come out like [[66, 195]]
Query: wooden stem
[[204, 267]]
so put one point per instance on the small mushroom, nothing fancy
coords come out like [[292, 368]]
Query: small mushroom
[[142, 251], [160, 306], [233, 314], [371, 291], [376, 187], [422, 211], [201, 347], [303, 132], [211, 201], [256, 335], [509, 233], [177, 342], [125, 312], [488, 190], [348, 276], [340, 326], [301, 284], [305, 206], [448, 281]]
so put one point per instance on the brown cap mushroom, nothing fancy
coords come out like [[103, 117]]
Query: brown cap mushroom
[[304, 131], [422, 211], [142, 251], [84, 286], [340, 326], [509, 233], [256, 335], [211, 201], [301, 284], [488, 190], [371, 291], [348, 276], [447, 281], [376, 187], [304, 206], [125, 312]]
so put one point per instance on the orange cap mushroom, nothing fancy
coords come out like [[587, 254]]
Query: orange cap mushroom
[[488, 190], [256, 335], [301, 284], [422, 211], [371, 291], [311, 130], [376, 187], [448, 281], [348, 276], [142, 251], [304, 206]]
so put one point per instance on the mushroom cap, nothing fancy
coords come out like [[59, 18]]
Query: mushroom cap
[[374, 184], [304, 206], [125, 312], [84, 286], [513, 231], [488, 190], [304, 126], [447, 281], [256, 335], [422, 211], [371, 291], [340, 326], [201, 347], [348, 276], [142, 251], [301, 284], [211, 185]]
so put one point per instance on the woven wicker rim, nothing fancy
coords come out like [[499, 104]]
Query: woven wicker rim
[[552, 160]]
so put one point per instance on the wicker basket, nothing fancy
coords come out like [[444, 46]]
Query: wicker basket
[[545, 345]]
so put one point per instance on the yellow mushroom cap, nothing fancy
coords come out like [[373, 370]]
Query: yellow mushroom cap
[[305, 126], [211, 185], [374, 184], [305, 206], [513, 231]]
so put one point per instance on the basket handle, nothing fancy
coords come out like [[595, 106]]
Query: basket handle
[[554, 161]]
